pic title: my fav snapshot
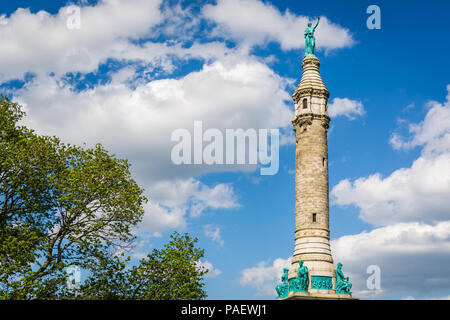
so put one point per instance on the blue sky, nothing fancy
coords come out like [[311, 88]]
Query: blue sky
[[133, 71]]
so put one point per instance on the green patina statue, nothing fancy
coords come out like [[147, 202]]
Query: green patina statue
[[343, 286], [302, 273], [282, 289], [310, 40], [300, 284]]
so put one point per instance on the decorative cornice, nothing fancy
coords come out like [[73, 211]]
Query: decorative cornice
[[308, 92], [307, 119], [311, 83]]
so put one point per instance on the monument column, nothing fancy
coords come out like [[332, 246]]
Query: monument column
[[312, 274], [312, 233]]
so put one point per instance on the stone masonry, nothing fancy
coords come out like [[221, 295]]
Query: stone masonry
[[312, 233]]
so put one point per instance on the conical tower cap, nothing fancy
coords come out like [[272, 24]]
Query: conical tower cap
[[311, 80]]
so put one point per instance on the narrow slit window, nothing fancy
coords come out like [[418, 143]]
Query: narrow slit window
[[305, 103], [314, 217]]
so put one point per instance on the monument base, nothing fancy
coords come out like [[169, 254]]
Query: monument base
[[317, 296]]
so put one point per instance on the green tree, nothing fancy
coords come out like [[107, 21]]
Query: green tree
[[26, 164], [63, 205], [166, 274]]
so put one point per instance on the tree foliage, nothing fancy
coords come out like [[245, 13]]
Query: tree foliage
[[63, 205], [165, 274]]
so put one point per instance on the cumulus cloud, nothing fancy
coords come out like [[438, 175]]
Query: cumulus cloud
[[412, 206], [346, 107], [253, 22], [235, 92], [411, 257], [190, 191], [176, 200], [264, 277], [158, 219], [211, 271], [41, 42], [432, 298], [135, 118], [44, 43], [418, 193], [133, 115], [433, 133]]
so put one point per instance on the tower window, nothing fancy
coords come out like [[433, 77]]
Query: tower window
[[305, 103], [326, 106], [314, 217]]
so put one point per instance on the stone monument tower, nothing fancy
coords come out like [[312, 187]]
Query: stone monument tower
[[312, 274]]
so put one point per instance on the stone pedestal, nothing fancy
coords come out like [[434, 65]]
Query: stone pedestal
[[317, 296]]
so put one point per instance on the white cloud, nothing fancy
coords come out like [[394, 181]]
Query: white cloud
[[412, 206], [176, 199], [433, 133], [253, 22], [158, 219], [134, 118], [179, 192], [411, 257], [165, 55], [179, 21], [264, 277], [235, 92], [346, 107], [42, 43], [418, 193], [211, 271], [409, 107], [213, 232], [432, 298]]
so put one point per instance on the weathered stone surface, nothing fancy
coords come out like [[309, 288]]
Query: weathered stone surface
[[312, 233]]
